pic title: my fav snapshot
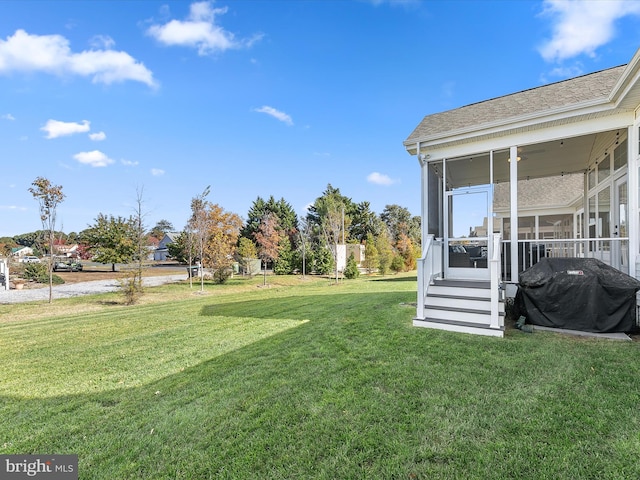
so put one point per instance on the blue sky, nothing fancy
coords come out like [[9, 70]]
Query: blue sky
[[260, 98]]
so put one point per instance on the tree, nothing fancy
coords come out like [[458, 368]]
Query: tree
[[397, 220], [222, 238], [181, 249], [163, 226], [283, 265], [385, 252], [370, 254], [268, 239], [351, 270], [246, 253], [304, 244], [198, 226], [364, 222], [407, 251], [284, 212], [134, 287], [49, 196], [112, 240], [333, 230]]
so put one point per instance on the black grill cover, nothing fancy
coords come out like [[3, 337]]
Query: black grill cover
[[579, 294]]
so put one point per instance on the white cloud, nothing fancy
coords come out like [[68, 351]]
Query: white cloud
[[56, 128], [23, 52], [8, 116], [199, 31], [94, 158], [98, 136], [581, 26], [380, 179], [102, 41], [128, 163], [13, 207], [277, 114], [157, 172]]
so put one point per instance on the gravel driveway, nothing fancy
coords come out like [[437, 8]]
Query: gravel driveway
[[77, 289]]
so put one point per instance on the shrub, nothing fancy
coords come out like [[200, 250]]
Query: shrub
[[397, 264], [131, 287], [39, 272], [351, 270], [221, 275]]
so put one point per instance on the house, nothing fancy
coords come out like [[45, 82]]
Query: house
[[549, 171], [66, 250], [19, 252], [161, 252]]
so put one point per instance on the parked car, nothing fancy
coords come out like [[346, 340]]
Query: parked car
[[67, 266], [29, 259]]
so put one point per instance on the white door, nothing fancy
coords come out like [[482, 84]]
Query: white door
[[467, 224], [620, 233]]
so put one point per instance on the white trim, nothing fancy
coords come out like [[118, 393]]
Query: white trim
[[513, 202]]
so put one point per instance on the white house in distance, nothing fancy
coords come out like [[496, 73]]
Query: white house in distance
[[548, 171], [162, 252]]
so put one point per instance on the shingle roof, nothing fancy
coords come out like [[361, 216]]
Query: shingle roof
[[587, 88]]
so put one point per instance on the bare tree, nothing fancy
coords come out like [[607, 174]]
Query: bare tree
[[333, 229], [49, 197], [141, 238], [199, 227]]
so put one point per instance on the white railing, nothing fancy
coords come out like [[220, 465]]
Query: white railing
[[429, 266], [494, 271], [612, 251]]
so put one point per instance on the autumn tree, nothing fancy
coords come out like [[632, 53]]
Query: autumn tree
[[49, 196], [246, 253], [222, 238], [268, 238], [198, 227], [112, 240]]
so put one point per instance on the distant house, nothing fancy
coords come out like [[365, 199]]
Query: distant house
[[19, 252], [70, 250], [161, 253]]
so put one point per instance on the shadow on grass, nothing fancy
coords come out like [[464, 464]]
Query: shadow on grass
[[396, 279], [350, 394]]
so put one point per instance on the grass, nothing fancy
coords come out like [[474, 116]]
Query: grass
[[308, 380]]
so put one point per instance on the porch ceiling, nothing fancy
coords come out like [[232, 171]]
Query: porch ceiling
[[545, 159]]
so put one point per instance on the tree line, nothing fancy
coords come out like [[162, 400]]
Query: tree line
[[272, 232]]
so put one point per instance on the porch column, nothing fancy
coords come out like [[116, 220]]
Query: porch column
[[634, 209], [513, 189], [424, 201]]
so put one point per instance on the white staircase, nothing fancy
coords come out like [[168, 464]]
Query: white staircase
[[461, 306]]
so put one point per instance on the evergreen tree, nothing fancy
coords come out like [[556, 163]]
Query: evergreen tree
[[351, 270], [370, 254]]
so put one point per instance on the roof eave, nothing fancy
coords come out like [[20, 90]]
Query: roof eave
[[601, 105]]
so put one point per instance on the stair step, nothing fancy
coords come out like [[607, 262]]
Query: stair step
[[462, 327], [458, 314], [459, 291], [482, 284]]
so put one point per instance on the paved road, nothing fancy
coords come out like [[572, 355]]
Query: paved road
[[77, 289]]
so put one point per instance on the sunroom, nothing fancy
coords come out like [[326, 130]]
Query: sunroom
[[547, 172]]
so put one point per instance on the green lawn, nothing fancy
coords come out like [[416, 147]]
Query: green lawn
[[308, 380]]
